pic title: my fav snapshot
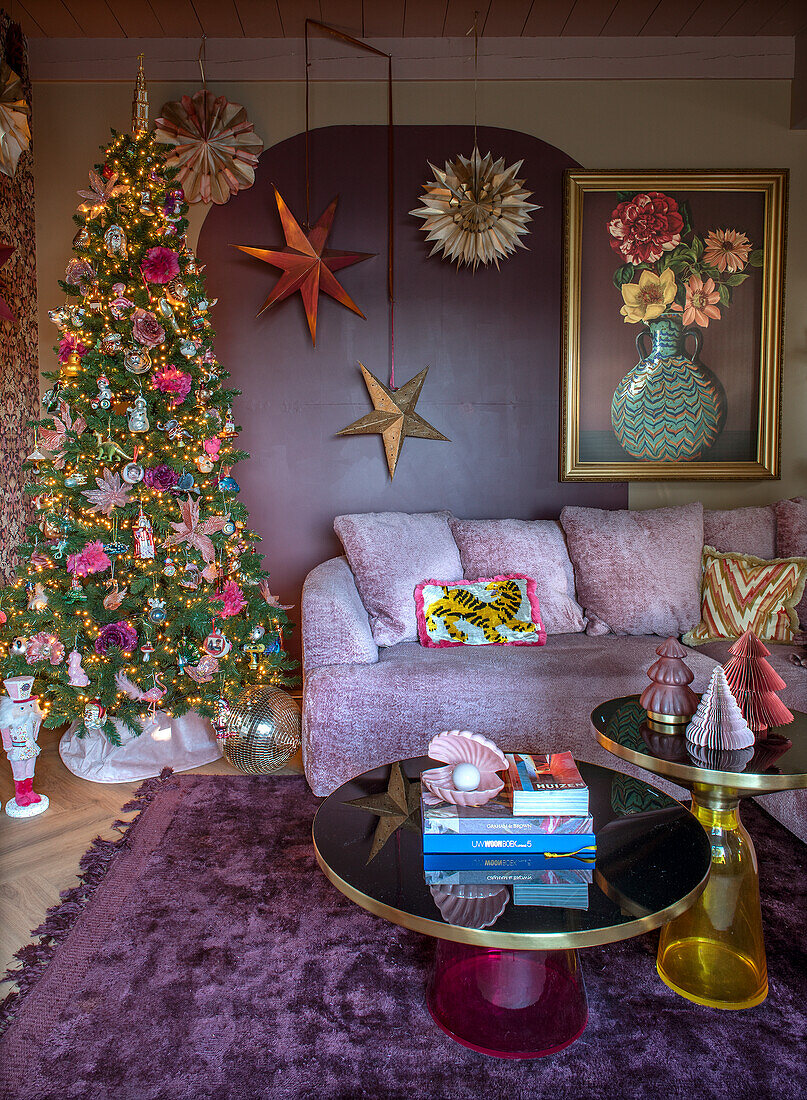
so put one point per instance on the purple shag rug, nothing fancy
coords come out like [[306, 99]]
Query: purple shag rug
[[206, 956]]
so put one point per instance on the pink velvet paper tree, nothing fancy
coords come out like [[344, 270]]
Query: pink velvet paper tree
[[668, 697], [754, 684]]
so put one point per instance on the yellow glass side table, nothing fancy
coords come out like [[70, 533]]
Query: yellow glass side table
[[714, 954]]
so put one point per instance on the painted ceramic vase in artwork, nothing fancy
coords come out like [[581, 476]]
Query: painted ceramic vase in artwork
[[670, 407]]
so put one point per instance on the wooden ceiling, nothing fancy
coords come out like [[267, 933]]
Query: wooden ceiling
[[407, 18]]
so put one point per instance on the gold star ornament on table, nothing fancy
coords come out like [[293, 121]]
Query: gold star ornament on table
[[307, 265], [397, 807], [394, 416]]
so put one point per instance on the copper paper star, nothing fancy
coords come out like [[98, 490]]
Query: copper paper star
[[307, 265], [394, 416], [6, 312], [397, 807]]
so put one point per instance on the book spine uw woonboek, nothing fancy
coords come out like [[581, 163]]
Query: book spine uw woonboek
[[561, 843], [501, 864]]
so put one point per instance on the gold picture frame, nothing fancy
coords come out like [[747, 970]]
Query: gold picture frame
[[691, 264]]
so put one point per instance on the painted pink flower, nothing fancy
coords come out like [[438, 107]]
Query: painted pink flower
[[701, 302], [119, 635], [726, 249], [160, 477], [232, 600], [68, 345], [160, 265], [146, 329], [173, 381], [92, 559], [646, 227]]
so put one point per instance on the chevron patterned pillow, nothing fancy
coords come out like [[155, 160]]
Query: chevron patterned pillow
[[741, 592]]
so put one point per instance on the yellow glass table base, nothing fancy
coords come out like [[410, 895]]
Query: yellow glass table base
[[714, 954]]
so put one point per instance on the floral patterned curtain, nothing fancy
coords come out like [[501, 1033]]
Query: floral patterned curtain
[[19, 383]]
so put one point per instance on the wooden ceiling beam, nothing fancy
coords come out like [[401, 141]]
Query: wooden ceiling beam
[[259, 18], [547, 18]]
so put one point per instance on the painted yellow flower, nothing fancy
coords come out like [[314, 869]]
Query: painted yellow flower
[[647, 299]]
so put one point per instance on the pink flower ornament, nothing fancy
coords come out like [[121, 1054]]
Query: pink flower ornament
[[232, 600], [146, 329], [160, 265], [170, 380], [92, 559]]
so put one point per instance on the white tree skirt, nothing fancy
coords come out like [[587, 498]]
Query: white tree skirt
[[178, 743]]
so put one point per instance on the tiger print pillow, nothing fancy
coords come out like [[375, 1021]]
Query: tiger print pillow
[[490, 611]]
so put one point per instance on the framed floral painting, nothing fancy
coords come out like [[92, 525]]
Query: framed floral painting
[[672, 325]]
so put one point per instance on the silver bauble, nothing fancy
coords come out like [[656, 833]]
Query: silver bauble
[[263, 730]]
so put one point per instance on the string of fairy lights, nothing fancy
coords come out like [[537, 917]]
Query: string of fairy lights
[[166, 606]]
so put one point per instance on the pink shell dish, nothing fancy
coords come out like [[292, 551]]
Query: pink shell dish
[[460, 747], [470, 906]]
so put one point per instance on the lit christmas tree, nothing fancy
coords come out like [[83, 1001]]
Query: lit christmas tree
[[140, 588]]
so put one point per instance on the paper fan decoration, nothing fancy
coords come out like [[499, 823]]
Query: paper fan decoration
[[215, 146], [475, 211], [15, 133]]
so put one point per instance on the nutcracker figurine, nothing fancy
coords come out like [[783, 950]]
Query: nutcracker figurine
[[20, 719]]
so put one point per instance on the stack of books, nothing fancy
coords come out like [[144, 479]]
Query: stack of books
[[536, 834]]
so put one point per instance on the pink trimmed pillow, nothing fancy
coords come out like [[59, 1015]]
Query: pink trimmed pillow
[[489, 611]]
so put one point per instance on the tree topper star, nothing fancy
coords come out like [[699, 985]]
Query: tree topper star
[[394, 416], [306, 263]]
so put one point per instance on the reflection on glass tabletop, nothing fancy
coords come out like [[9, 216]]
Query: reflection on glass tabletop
[[778, 760], [652, 863]]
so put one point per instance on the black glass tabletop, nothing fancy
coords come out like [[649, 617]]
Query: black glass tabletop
[[652, 861], [778, 760]]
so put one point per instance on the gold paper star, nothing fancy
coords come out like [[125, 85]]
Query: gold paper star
[[394, 416], [397, 807]]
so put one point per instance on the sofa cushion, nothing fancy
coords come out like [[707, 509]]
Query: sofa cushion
[[389, 553], [637, 572], [741, 592], [489, 611], [534, 548], [742, 531], [791, 538]]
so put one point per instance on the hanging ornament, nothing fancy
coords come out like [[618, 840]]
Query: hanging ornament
[[228, 527], [255, 650], [51, 397], [138, 418], [37, 596], [94, 715], [169, 567], [101, 192], [204, 670], [394, 417], [215, 147], [226, 483], [120, 305], [216, 644], [228, 428], [73, 481], [166, 311], [156, 613], [221, 717], [111, 343], [133, 473], [145, 204], [143, 537], [475, 211], [116, 596], [306, 264], [18, 647], [115, 243], [146, 649], [174, 431], [176, 292], [186, 652], [188, 348], [190, 576], [6, 251], [203, 464], [104, 399], [82, 239], [15, 133], [77, 677], [136, 360], [75, 594]]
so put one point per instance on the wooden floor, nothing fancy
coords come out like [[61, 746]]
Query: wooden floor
[[39, 856]]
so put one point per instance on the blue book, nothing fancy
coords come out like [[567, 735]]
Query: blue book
[[464, 861], [560, 843]]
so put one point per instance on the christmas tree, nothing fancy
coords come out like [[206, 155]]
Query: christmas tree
[[754, 683], [718, 723], [140, 586], [668, 697]]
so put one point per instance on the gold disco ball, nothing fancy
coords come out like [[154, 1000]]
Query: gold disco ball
[[263, 730]]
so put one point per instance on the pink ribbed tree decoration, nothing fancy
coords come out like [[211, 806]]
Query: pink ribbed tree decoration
[[669, 697], [754, 683], [718, 723]]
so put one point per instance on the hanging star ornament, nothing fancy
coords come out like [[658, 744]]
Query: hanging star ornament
[[306, 263], [394, 416], [397, 807]]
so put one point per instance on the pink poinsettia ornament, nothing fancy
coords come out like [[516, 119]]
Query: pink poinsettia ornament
[[92, 559], [68, 345], [160, 265], [232, 600], [170, 380]]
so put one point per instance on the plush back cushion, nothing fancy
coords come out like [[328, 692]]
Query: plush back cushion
[[389, 553], [489, 611], [741, 592], [742, 531], [637, 572], [791, 538], [533, 548]]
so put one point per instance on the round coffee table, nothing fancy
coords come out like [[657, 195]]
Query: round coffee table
[[506, 978], [714, 953]]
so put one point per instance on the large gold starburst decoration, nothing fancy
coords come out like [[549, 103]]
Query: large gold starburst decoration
[[475, 211]]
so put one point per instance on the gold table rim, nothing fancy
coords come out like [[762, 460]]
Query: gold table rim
[[520, 941], [749, 783]]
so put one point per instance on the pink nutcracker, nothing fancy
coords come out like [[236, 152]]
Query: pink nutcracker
[[20, 719]]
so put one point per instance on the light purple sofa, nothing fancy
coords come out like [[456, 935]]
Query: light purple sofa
[[364, 706]]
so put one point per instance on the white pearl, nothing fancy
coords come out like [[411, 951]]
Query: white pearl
[[466, 777]]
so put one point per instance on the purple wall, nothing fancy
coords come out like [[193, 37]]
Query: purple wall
[[491, 340]]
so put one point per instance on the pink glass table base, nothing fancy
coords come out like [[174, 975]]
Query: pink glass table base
[[507, 1004]]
